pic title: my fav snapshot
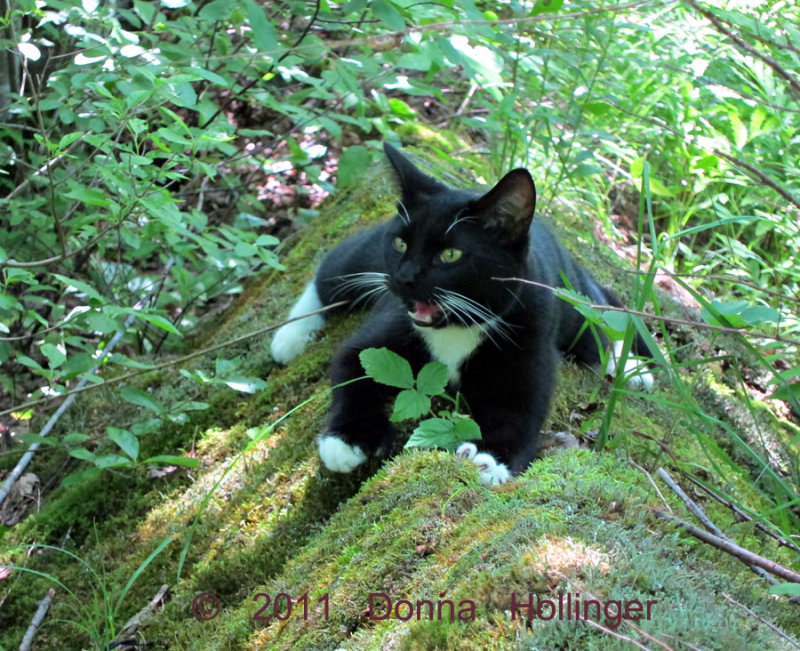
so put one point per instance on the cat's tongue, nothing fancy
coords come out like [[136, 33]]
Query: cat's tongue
[[424, 314]]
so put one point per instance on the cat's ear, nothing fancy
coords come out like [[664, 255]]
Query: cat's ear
[[413, 183], [509, 205]]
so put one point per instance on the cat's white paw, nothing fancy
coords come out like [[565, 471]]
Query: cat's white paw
[[491, 472], [637, 374], [339, 456], [290, 340]]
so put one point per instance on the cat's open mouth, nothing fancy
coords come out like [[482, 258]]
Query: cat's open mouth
[[425, 314]]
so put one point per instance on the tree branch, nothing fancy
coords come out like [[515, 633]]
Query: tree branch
[[746, 46]]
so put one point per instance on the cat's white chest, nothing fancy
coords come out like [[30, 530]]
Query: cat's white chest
[[452, 345]]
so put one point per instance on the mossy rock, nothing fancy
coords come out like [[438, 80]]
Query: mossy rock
[[259, 518]]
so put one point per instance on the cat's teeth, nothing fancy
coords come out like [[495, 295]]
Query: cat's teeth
[[427, 318], [424, 313]]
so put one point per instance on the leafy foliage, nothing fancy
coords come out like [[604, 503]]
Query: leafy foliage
[[447, 430]]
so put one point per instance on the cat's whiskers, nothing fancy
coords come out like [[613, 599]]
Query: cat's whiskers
[[466, 309], [403, 212], [374, 283], [458, 220], [462, 318]]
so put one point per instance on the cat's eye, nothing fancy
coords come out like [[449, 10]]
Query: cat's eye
[[400, 244], [450, 255]]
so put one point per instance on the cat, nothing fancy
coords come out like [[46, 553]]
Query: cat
[[432, 271]]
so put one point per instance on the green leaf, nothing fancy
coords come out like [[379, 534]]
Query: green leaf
[[757, 314], [659, 189], [466, 429], [127, 441], [353, 162], [400, 108], [82, 453], [75, 437], [264, 33], [80, 286], [785, 588], [138, 397], [217, 10], [111, 461], [245, 384], [35, 439], [617, 321], [53, 354], [444, 433], [173, 460], [158, 321], [67, 140], [415, 61], [433, 378], [387, 367], [789, 392], [545, 6], [410, 403], [740, 135], [388, 14], [89, 196], [431, 433], [100, 322]]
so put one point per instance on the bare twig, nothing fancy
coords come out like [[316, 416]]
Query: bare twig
[[746, 46], [741, 514], [690, 504], [658, 490], [767, 623], [170, 363], [763, 177], [627, 623], [619, 636], [36, 622], [559, 291], [142, 618], [56, 258], [744, 555], [708, 524], [258, 78], [17, 471], [45, 169]]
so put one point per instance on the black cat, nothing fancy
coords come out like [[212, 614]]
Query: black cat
[[432, 272]]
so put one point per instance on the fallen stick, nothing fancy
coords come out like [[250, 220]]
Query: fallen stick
[[36, 622], [744, 555], [140, 619], [708, 524]]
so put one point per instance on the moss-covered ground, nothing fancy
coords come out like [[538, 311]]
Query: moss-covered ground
[[260, 519]]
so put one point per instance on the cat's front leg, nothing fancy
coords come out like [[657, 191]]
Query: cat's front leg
[[510, 410], [359, 427], [290, 340], [492, 472]]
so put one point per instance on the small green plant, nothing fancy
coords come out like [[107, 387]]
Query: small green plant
[[449, 427], [95, 614]]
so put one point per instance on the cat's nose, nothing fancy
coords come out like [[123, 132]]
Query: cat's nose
[[406, 277]]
